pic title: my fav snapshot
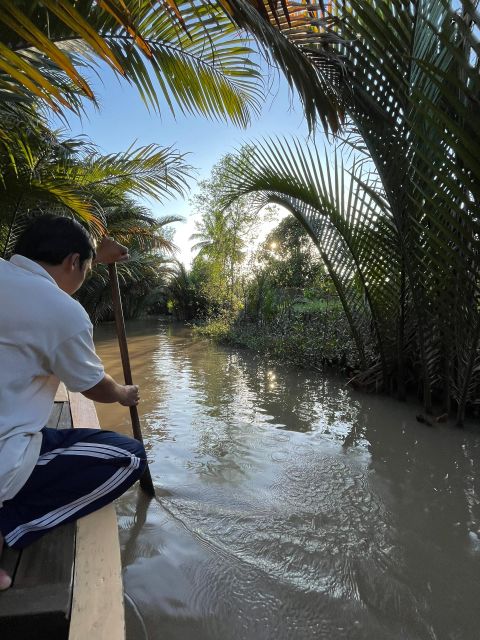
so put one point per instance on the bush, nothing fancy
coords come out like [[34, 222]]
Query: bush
[[313, 339], [218, 329]]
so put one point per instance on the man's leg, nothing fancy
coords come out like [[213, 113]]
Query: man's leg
[[78, 471]]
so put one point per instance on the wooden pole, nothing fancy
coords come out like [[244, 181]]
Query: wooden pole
[[146, 479]]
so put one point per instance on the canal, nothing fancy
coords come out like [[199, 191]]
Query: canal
[[289, 507]]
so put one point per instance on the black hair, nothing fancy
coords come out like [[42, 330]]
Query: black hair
[[51, 239]]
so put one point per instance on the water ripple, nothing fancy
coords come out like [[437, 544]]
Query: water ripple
[[291, 508]]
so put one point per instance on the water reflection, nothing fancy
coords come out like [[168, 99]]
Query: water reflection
[[290, 506]]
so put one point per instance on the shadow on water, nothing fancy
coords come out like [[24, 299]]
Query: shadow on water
[[289, 506]]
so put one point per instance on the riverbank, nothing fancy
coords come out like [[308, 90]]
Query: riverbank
[[304, 339]]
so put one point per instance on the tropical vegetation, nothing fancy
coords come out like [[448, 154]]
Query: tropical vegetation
[[188, 57], [221, 240], [394, 207], [272, 298], [68, 176], [291, 311]]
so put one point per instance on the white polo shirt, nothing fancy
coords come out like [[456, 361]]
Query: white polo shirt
[[45, 336]]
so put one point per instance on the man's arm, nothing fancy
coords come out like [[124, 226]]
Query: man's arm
[[107, 390]]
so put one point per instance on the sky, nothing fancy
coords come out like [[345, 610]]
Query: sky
[[124, 119]]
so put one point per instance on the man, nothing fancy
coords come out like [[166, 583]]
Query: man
[[49, 477]]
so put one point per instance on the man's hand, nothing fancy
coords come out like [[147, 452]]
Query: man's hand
[[108, 251], [107, 390], [132, 396]]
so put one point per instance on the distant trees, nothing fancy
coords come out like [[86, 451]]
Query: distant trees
[[279, 272], [183, 296], [222, 240], [289, 256]]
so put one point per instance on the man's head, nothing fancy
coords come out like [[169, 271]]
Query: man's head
[[61, 246]]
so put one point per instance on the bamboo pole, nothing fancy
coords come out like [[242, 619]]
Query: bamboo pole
[[146, 479]]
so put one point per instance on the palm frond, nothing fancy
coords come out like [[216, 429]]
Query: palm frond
[[151, 170], [341, 211], [199, 64]]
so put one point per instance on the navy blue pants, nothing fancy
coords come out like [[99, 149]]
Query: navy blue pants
[[78, 471]]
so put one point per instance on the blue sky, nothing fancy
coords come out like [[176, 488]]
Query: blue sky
[[123, 119]]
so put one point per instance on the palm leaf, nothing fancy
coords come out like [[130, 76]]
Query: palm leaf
[[338, 209], [152, 171], [410, 84], [203, 66]]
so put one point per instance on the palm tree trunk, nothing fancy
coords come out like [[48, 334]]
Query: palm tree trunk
[[418, 306], [346, 307], [447, 402]]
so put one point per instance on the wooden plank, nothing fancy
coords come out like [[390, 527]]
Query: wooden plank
[[41, 626], [97, 606], [65, 420], [54, 416], [41, 599], [62, 393], [83, 412], [49, 561]]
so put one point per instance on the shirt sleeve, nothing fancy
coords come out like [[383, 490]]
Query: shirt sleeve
[[76, 363]]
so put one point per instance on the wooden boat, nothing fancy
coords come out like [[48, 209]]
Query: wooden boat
[[67, 585]]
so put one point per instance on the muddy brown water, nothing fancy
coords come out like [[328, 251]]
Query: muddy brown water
[[289, 506]]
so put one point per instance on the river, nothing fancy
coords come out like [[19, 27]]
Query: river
[[288, 505]]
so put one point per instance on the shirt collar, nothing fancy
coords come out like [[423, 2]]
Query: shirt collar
[[32, 266]]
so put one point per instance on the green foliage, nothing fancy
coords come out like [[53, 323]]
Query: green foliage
[[398, 226], [185, 301], [143, 278], [285, 271], [318, 338], [193, 56], [289, 256], [46, 172], [315, 306], [282, 316], [221, 241], [218, 329]]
